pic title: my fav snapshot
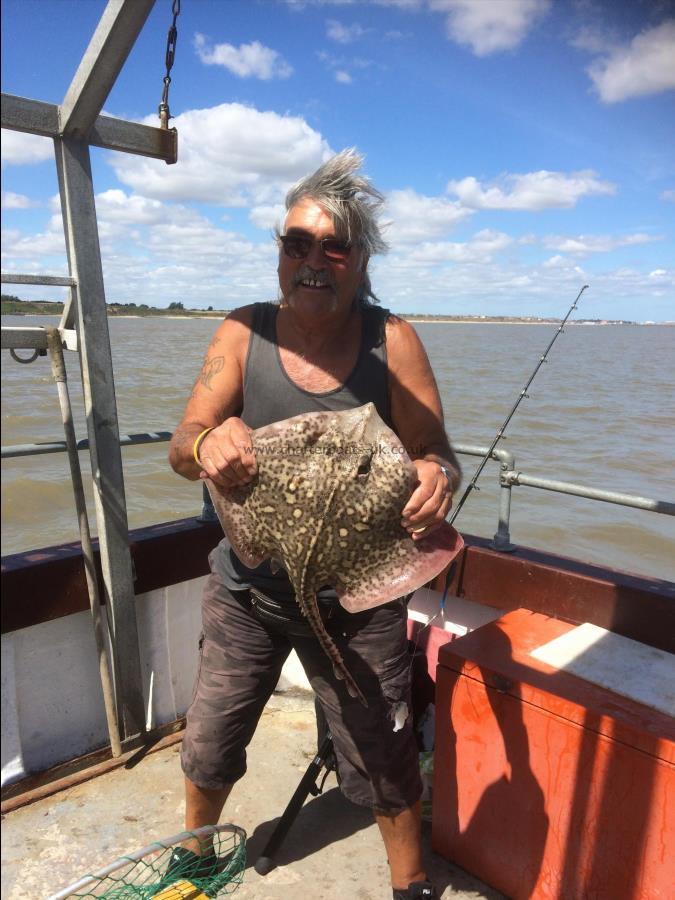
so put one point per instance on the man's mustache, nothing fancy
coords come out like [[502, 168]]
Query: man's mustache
[[323, 276]]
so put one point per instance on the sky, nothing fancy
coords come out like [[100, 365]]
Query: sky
[[525, 148]]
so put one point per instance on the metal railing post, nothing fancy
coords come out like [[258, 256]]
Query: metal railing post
[[104, 667], [502, 538], [81, 230]]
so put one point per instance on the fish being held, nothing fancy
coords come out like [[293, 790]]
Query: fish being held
[[326, 506]]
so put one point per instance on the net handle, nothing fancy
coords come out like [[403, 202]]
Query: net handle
[[202, 832]]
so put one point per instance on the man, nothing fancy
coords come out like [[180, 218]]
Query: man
[[324, 346]]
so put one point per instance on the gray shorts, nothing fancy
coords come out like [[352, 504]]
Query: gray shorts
[[240, 664]]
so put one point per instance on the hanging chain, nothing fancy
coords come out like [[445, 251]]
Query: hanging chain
[[172, 37]]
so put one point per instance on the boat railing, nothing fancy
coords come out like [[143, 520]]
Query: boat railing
[[509, 476]]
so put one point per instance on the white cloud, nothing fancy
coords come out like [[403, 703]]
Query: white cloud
[[19, 149], [116, 206], [198, 240], [266, 217], [130, 220], [627, 280], [416, 217], [180, 253], [400, 4], [531, 191], [595, 39], [556, 261], [669, 196], [299, 5], [10, 200], [252, 60], [481, 246], [473, 283], [344, 34], [231, 155], [48, 243], [583, 244], [646, 66], [156, 252], [340, 65], [160, 252], [487, 26]]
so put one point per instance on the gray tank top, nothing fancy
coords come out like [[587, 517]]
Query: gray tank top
[[271, 396]]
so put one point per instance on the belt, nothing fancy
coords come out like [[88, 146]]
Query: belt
[[286, 617]]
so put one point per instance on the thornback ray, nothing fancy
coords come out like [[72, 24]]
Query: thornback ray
[[326, 505]]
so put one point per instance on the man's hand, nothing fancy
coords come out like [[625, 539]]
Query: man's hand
[[430, 502], [226, 455]]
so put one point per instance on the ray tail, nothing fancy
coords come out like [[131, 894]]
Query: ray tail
[[310, 610]]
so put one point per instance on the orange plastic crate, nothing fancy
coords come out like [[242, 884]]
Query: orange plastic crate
[[546, 785]]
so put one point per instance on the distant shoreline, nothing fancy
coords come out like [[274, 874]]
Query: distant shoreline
[[444, 320], [16, 307], [414, 320]]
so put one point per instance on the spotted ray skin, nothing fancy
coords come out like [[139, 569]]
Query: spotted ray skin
[[326, 505]]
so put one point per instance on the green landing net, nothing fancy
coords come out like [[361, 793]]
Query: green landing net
[[166, 871]]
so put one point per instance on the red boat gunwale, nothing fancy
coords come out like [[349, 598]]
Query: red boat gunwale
[[171, 552]]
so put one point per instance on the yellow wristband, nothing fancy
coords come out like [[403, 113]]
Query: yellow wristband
[[198, 442]]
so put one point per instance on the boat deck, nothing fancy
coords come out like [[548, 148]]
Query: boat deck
[[333, 851]]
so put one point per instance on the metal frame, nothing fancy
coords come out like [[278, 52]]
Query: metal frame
[[74, 125]]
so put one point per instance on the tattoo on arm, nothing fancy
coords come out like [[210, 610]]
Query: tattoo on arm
[[212, 366]]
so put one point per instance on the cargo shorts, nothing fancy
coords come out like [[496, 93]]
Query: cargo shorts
[[240, 663]]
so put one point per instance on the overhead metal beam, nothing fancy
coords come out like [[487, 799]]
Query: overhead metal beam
[[55, 280], [115, 35], [34, 338], [32, 116], [132, 137], [36, 117], [18, 338]]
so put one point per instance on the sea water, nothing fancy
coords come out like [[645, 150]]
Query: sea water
[[601, 413]]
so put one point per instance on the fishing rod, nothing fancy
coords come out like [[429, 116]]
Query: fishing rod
[[500, 434]]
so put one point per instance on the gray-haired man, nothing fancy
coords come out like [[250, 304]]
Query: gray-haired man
[[323, 346]]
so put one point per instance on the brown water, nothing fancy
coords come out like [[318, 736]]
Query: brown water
[[600, 413]]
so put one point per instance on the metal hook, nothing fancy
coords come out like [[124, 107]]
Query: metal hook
[[27, 360]]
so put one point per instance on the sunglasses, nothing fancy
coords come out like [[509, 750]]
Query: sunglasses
[[297, 246]]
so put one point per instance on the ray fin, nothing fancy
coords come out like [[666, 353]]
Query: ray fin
[[410, 565], [238, 524]]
